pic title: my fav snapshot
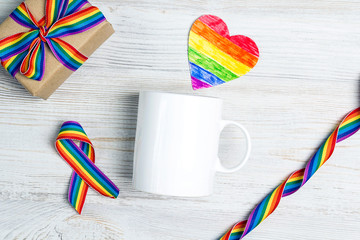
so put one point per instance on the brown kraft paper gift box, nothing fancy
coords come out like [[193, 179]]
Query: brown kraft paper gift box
[[55, 72]]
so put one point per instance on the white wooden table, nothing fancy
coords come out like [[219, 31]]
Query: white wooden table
[[307, 79]]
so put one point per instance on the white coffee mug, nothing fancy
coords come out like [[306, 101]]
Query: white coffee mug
[[176, 146]]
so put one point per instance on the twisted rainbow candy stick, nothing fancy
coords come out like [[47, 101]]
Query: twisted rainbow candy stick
[[82, 160], [349, 126]]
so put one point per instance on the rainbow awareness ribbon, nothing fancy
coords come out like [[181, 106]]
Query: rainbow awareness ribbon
[[82, 160], [349, 126], [25, 51]]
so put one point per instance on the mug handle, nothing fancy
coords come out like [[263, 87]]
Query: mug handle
[[219, 166]]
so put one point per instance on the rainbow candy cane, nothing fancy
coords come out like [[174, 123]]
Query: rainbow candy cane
[[82, 160], [349, 126]]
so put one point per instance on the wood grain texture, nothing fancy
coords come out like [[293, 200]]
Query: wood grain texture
[[306, 80]]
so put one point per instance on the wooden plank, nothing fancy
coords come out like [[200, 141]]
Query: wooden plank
[[306, 80]]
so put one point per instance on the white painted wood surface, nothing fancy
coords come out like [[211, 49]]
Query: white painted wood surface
[[307, 79]]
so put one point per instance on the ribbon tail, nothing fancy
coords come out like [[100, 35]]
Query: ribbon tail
[[54, 10], [69, 56], [77, 192], [75, 6], [12, 65], [86, 169], [78, 188]]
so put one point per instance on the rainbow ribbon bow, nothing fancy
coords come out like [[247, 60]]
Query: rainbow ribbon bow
[[25, 52], [349, 126], [82, 161]]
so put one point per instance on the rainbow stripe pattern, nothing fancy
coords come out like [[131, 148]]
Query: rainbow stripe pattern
[[25, 52], [215, 57], [349, 126], [82, 160]]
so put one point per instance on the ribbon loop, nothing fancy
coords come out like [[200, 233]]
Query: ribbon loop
[[62, 18], [21, 15], [82, 161], [33, 63], [16, 44]]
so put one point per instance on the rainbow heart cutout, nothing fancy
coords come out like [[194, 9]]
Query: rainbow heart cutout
[[215, 57]]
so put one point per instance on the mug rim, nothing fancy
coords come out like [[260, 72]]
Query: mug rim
[[180, 94]]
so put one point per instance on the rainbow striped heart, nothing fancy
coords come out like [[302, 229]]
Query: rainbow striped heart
[[215, 57]]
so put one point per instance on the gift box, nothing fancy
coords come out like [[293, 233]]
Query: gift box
[[44, 41]]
